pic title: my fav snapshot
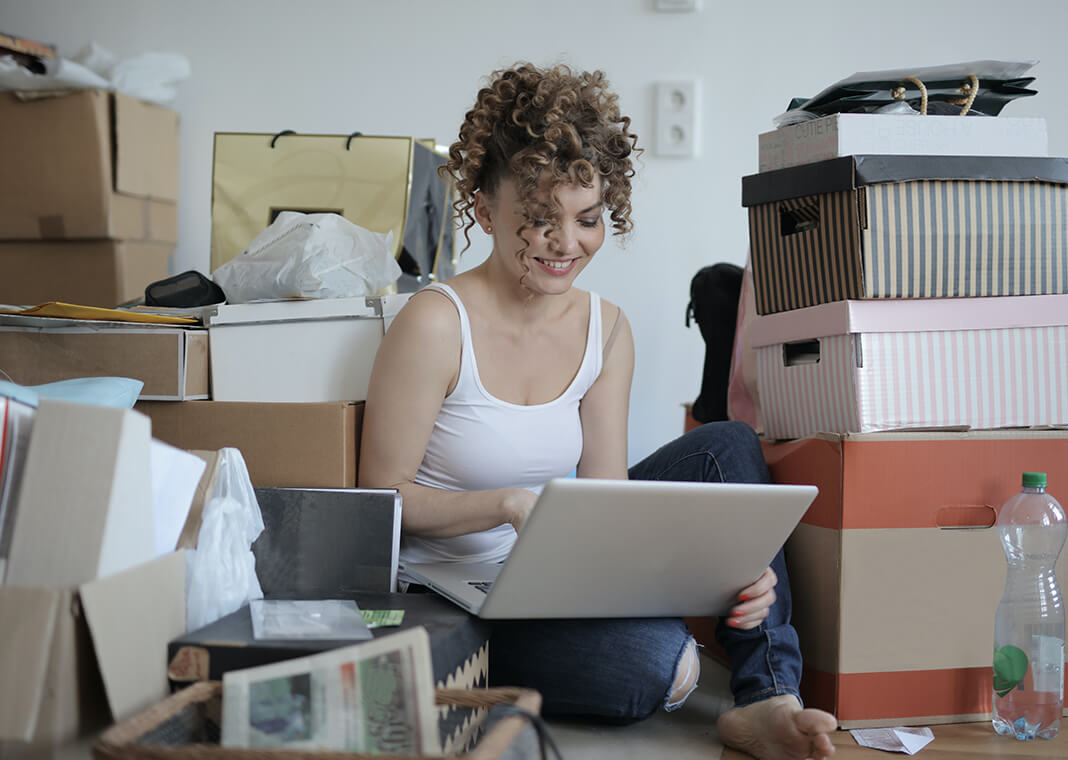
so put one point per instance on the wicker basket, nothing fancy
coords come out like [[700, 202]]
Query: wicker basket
[[185, 726]]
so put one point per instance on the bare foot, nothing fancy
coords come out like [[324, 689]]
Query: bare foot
[[778, 729]]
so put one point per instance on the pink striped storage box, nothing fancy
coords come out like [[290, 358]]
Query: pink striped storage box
[[868, 366]]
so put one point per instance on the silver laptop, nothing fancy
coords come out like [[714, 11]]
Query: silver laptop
[[628, 548]]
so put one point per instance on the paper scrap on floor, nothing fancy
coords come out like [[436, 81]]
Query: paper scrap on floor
[[907, 740]]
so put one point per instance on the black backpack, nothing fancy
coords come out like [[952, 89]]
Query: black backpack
[[714, 294]]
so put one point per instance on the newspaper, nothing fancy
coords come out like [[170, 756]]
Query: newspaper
[[376, 697]]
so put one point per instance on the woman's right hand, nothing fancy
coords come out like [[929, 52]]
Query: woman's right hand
[[516, 505]]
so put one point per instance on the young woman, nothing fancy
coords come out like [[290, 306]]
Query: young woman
[[489, 384]]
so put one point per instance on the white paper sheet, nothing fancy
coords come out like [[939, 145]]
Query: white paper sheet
[[175, 476], [900, 739]]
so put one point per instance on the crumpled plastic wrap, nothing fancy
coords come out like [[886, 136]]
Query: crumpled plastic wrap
[[149, 76], [221, 571], [310, 256]]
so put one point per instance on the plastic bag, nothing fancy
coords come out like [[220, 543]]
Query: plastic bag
[[948, 88], [310, 256], [149, 76], [221, 571]]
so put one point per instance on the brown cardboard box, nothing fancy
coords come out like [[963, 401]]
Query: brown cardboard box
[[74, 659], [896, 571], [283, 444], [907, 227], [87, 272], [172, 362], [89, 164]]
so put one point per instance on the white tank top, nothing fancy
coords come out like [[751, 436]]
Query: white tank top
[[480, 442]]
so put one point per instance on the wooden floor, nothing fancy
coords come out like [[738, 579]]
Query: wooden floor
[[955, 742]]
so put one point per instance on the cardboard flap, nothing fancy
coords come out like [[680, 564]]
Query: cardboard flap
[[27, 627], [86, 496], [205, 490], [146, 162], [132, 615]]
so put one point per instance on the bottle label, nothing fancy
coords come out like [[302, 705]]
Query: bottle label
[[1048, 656]]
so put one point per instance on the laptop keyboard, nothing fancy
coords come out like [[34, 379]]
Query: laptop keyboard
[[483, 586]]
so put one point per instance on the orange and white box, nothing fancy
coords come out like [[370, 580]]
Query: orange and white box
[[878, 365], [896, 570]]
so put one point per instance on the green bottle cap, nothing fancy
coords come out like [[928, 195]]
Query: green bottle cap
[[1034, 480]]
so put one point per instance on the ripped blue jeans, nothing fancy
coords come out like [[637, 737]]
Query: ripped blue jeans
[[623, 670]]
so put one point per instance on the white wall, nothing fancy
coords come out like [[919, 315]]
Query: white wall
[[413, 66]]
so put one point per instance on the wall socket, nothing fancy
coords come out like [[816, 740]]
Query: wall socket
[[677, 6], [677, 108]]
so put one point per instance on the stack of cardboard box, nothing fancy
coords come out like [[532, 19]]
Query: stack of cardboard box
[[923, 295], [88, 603], [288, 383], [88, 208]]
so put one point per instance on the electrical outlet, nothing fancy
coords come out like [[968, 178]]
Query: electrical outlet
[[677, 6], [677, 108]]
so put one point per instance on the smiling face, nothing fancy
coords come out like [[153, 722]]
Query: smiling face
[[545, 257]]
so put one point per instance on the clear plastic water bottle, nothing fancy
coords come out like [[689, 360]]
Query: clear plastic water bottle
[[1029, 626]]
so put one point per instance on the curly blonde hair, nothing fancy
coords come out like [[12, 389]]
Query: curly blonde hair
[[535, 125]]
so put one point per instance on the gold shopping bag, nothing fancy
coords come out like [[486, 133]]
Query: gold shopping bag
[[366, 179]]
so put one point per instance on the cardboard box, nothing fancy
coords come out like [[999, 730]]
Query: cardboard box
[[907, 227], [89, 164], [304, 445], [90, 272], [85, 505], [75, 659], [865, 366], [172, 362], [847, 134], [896, 570], [298, 351]]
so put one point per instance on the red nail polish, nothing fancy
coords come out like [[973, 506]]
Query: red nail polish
[[744, 597]]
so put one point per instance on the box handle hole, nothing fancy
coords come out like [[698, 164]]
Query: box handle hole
[[798, 219], [966, 516], [800, 352]]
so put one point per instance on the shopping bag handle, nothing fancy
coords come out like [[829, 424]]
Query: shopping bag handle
[[969, 89], [283, 132]]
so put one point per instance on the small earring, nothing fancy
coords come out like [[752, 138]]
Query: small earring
[[489, 229]]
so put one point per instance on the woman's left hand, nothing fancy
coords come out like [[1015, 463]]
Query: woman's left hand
[[755, 600]]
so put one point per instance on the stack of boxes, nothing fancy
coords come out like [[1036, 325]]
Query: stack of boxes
[[911, 345], [91, 221], [88, 208], [288, 380]]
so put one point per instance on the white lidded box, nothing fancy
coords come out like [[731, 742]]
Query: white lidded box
[[298, 350], [847, 134], [868, 366]]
